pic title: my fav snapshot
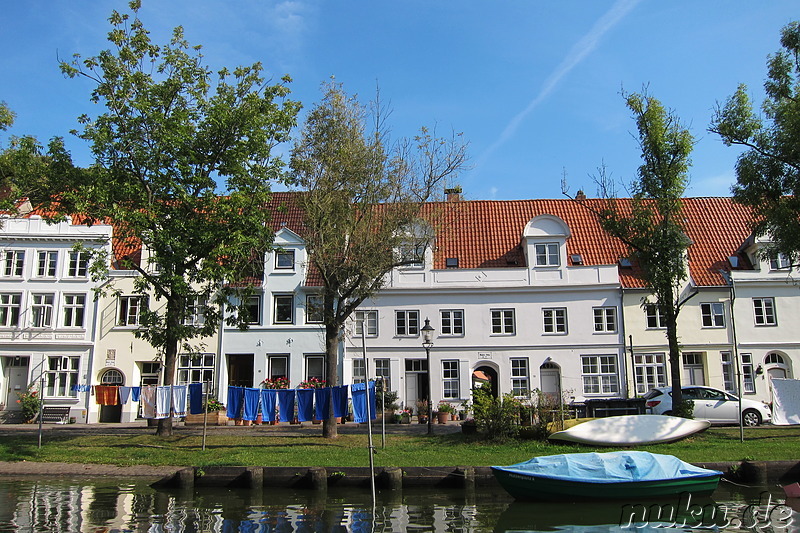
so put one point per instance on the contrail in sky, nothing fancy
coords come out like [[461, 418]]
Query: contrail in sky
[[578, 53]]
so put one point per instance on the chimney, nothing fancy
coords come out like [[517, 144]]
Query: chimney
[[453, 195], [581, 196]]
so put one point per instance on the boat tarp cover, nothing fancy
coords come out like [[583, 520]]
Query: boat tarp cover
[[611, 467]]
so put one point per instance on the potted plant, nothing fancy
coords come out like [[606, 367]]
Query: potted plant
[[405, 415], [279, 382], [386, 403], [217, 415], [422, 411], [443, 412]]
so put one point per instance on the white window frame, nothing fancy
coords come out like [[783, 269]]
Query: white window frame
[[13, 264], [649, 371], [42, 306], [61, 375], [196, 368], [713, 314], [414, 253], [271, 360], [451, 389], [316, 359], [764, 312], [748, 374], [452, 322], [78, 265], [276, 303], [254, 302], [195, 311], [728, 372], [10, 309], [652, 313], [383, 370], [599, 374], [129, 312], [554, 320], [503, 321], [779, 262], [284, 260], [74, 310], [359, 372], [315, 309], [406, 323], [370, 316], [520, 376], [547, 254], [46, 263], [605, 319]]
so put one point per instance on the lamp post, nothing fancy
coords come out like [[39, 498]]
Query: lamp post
[[427, 343]]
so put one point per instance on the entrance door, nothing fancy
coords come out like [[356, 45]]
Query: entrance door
[[111, 413], [16, 372], [240, 369], [483, 375], [416, 382], [693, 373], [550, 379]]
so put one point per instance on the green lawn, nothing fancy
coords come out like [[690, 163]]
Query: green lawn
[[718, 444]]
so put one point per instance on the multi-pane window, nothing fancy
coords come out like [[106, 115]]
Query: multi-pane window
[[452, 322], [713, 315], [129, 310], [368, 319], [62, 374], [278, 366], [779, 262], [74, 309], [42, 310], [502, 321], [764, 309], [13, 263], [47, 264], [359, 372], [195, 311], [406, 323], [412, 255], [284, 309], [9, 309], [151, 371], [555, 320], [284, 260], [547, 254], [252, 308], [748, 376], [728, 372], [605, 319], [655, 318], [195, 368], [382, 371], [78, 264], [450, 380], [519, 376], [649, 371], [314, 309], [112, 376], [315, 367], [599, 374]]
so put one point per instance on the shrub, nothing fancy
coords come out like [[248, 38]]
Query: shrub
[[30, 403], [390, 397], [685, 409], [542, 411], [496, 418]]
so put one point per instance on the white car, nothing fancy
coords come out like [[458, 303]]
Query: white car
[[714, 405]]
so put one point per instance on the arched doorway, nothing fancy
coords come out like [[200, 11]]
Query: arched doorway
[[485, 375], [777, 366], [111, 413], [550, 379]]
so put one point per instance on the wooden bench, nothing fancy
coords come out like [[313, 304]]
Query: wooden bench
[[55, 414]]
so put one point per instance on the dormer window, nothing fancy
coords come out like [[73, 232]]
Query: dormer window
[[547, 254], [284, 260], [412, 255], [779, 262]]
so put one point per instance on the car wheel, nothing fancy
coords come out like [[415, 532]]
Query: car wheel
[[751, 418]]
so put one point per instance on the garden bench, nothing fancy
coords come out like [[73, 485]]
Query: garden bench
[[55, 414]]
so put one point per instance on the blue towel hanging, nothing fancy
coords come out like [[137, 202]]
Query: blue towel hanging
[[251, 400], [305, 405], [359, 392], [268, 397], [195, 398], [322, 400], [339, 399], [235, 401], [286, 404]]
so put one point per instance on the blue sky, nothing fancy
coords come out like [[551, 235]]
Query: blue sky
[[534, 86]]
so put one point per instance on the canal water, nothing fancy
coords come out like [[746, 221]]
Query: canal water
[[103, 506]]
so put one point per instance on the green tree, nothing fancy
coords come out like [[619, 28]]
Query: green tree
[[364, 204], [20, 157], [171, 132], [650, 224], [768, 171]]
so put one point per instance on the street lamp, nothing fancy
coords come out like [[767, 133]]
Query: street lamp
[[427, 343]]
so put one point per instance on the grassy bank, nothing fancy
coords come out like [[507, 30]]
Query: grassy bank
[[718, 444]]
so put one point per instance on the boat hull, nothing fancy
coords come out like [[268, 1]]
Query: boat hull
[[535, 488]]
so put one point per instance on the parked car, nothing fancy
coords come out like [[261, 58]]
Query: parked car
[[714, 405]]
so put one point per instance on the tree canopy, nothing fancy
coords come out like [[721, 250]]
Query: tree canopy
[[363, 201], [174, 135], [768, 170]]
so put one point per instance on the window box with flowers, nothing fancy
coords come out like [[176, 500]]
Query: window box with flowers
[[275, 383], [311, 383]]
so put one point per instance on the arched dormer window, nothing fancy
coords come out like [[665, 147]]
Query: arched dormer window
[[545, 237]]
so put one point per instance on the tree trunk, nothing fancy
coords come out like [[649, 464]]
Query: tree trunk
[[170, 358], [329, 429], [675, 365]]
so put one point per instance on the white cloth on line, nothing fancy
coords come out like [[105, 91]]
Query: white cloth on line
[[163, 401], [785, 401], [179, 400], [148, 401]]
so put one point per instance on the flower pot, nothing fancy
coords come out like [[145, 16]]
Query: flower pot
[[405, 418], [247, 422], [442, 418], [422, 419], [237, 421]]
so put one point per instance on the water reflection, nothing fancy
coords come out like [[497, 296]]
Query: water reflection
[[101, 507]]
